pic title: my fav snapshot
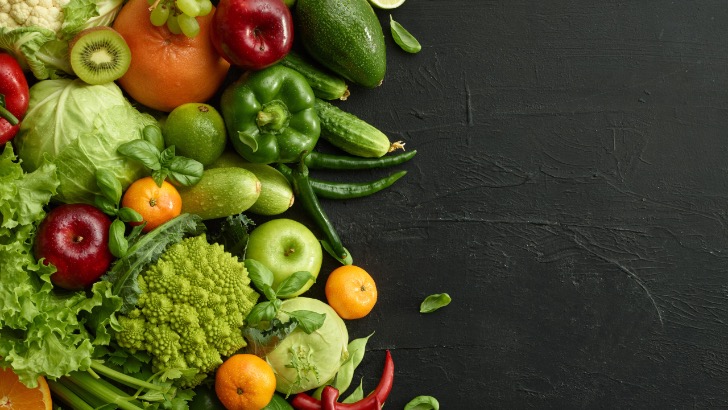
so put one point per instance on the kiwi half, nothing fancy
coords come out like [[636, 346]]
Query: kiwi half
[[99, 55]]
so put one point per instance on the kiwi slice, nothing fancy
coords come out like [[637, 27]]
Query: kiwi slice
[[99, 55]]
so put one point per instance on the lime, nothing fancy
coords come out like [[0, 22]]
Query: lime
[[386, 4], [197, 131]]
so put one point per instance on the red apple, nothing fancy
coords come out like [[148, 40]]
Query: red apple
[[252, 34], [75, 239]]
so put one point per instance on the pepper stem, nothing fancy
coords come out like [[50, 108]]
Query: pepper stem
[[274, 117], [4, 113]]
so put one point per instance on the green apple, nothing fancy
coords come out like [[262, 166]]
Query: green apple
[[285, 247]]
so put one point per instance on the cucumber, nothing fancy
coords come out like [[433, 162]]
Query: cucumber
[[221, 192], [324, 85], [351, 134], [276, 194], [345, 37]]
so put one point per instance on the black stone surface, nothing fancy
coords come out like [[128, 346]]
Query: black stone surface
[[569, 193]]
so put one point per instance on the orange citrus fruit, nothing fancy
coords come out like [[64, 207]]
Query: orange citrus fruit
[[351, 291], [168, 70], [245, 382], [155, 204], [14, 395]]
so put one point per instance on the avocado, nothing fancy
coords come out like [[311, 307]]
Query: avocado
[[344, 36]]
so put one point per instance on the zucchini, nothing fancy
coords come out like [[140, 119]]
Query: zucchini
[[351, 134], [326, 86]]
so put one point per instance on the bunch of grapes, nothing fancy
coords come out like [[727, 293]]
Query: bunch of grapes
[[179, 15]]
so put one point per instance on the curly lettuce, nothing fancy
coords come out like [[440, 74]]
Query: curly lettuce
[[41, 332]]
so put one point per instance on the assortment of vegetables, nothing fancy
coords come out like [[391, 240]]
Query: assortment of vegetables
[[112, 286]]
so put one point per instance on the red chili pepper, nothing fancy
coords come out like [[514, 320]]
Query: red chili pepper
[[329, 395], [13, 97]]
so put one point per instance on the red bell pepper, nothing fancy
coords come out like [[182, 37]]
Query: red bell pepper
[[329, 394], [14, 96]]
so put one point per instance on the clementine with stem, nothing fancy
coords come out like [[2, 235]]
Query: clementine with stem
[[245, 382], [351, 291], [155, 204]]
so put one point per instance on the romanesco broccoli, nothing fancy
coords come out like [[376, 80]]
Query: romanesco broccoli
[[191, 310]]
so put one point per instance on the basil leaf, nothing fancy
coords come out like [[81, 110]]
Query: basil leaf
[[129, 215], [262, 312], [277, 403], [118, 245], [307, 320], [434, 302], [142, 151], [153, 135], [106, 205], [293, 284], [185, 171], [166, 156], [327, 247], [109, 185], [233, 234], [423, 403], [403, 38], [159, 176], [259, 274]]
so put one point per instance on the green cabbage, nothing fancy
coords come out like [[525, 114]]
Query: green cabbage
[[78, 127]]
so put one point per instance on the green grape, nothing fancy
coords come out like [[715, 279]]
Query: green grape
[[173, 24], [188, 25], [159, 15], [188, 7], [205, 7]]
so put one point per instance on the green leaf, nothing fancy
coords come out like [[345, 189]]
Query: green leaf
[[293, 284], [327, 247], [118, 244], [434, 302], [159, 176], [129, 215], [106, 205], [142, 151], [423, 403], [278, 403], [345, 375], [233, 234], [403, 38], [357, 394], [259, 274], [109, 185], [263, 312], [153, 135], [166, 156], [185, 171], [307, 320]]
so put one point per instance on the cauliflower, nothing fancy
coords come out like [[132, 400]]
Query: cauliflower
[[32, 13], [191, 309]]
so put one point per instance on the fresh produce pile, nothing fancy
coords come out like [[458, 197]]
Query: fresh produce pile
[[140, 141]]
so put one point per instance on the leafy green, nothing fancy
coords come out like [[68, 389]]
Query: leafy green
[[233, 234], [403, 38], [79, 127], [144, 250], [42, 331], [435, 302], [423, 403]]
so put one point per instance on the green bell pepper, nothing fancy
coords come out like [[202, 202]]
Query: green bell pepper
[[270, 115]]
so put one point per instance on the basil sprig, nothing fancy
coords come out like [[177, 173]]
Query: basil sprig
[[163, 163]]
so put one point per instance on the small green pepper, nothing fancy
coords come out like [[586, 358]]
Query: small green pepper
[[270, 115]]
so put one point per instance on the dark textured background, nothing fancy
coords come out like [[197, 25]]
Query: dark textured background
[[569, 193]]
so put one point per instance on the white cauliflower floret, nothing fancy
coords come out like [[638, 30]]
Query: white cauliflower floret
[[27, 13]]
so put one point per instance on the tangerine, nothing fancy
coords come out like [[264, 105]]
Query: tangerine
[[14, 395], [155, 204], [167, 69], [245, 382], [351, 291]]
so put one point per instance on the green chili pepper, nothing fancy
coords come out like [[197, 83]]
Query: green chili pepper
[[308, 199], [270, 115], [320, 160], [346, 190]]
